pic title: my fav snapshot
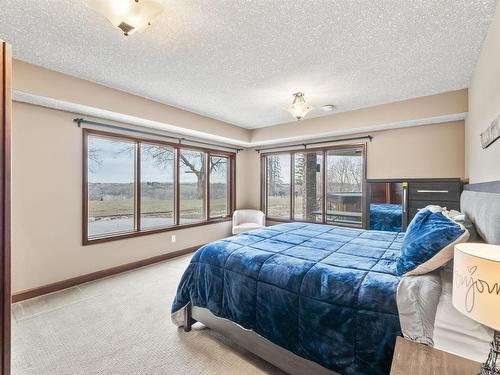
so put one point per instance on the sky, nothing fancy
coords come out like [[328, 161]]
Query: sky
[[116, 160]]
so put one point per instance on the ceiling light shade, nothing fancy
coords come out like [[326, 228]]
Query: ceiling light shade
[[299, 108], [128, 15], [328, 107]]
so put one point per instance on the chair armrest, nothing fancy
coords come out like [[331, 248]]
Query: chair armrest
[[262, 218]]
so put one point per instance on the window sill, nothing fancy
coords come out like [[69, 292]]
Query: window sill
[[123, 236]]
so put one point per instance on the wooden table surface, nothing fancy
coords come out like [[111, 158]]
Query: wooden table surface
[[411, 358]]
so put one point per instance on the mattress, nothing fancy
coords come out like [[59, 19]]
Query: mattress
[[454, 332]]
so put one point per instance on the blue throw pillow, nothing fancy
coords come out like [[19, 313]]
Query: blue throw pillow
[[429, 242]]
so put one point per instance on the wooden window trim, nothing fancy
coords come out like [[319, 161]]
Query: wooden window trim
[[138, 231], [324, 176]]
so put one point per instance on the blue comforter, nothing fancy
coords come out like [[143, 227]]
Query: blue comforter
[[325, 293], [386, 217]]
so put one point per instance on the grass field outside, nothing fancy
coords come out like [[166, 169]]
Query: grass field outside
[[121, 207], [112, 216]]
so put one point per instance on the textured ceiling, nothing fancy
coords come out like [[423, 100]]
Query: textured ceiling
[[240, 61]]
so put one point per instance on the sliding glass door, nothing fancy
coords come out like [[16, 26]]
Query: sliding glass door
[[318, 186]]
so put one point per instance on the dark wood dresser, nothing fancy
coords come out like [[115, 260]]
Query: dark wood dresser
[[413, 194], [441, 192]]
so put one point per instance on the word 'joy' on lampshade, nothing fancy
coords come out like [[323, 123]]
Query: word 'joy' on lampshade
[[476, 282]]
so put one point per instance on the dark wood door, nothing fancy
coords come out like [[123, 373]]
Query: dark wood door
[[5, 181]]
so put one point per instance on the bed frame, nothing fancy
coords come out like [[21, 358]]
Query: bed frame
[[283, 359], [481, 203]]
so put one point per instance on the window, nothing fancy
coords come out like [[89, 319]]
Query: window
[[327, 185], [157, 186], [111, 190], [136, 186], [192, 186], [278, 186], [219, 181]]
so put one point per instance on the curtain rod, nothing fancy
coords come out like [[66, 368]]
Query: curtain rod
[[314, 143], [80, 121]]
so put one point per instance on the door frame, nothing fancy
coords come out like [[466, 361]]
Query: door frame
[[5, 203]]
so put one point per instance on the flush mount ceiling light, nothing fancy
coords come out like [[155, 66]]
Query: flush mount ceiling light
[[299, 108], [128, 15], [328, 107]]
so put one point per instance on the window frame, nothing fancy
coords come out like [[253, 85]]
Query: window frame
[[138, 231], [230, 163], [324, 177]]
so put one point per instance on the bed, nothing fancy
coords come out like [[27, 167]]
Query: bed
[[326, 294], [386, 217], [319, 299]]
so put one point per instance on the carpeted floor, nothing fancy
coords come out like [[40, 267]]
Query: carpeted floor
[[120, 325]]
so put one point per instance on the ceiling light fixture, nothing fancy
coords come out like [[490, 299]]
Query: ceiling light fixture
[[328, 107], [299, 108], [128, 15]]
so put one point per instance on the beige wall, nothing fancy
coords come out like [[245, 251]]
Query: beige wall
[[248, 180], [484, 107], [36, 80], [418, 108], [47, 207], [418, 152]]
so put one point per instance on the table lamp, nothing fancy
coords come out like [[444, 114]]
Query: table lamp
[[476, 292]]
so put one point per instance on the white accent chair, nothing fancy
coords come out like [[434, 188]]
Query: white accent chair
[[247, 220]]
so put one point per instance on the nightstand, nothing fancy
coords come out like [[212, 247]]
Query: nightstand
[[411, 358]]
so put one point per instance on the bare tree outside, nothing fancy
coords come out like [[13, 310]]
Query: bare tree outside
[[344, 186], [345, 174], [157, 185]]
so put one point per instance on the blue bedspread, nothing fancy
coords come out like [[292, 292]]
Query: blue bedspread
[[386, 217], [325, 293]]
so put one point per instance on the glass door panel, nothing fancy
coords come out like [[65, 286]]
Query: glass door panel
[[344, 186], [278, 186], [308, 186]]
